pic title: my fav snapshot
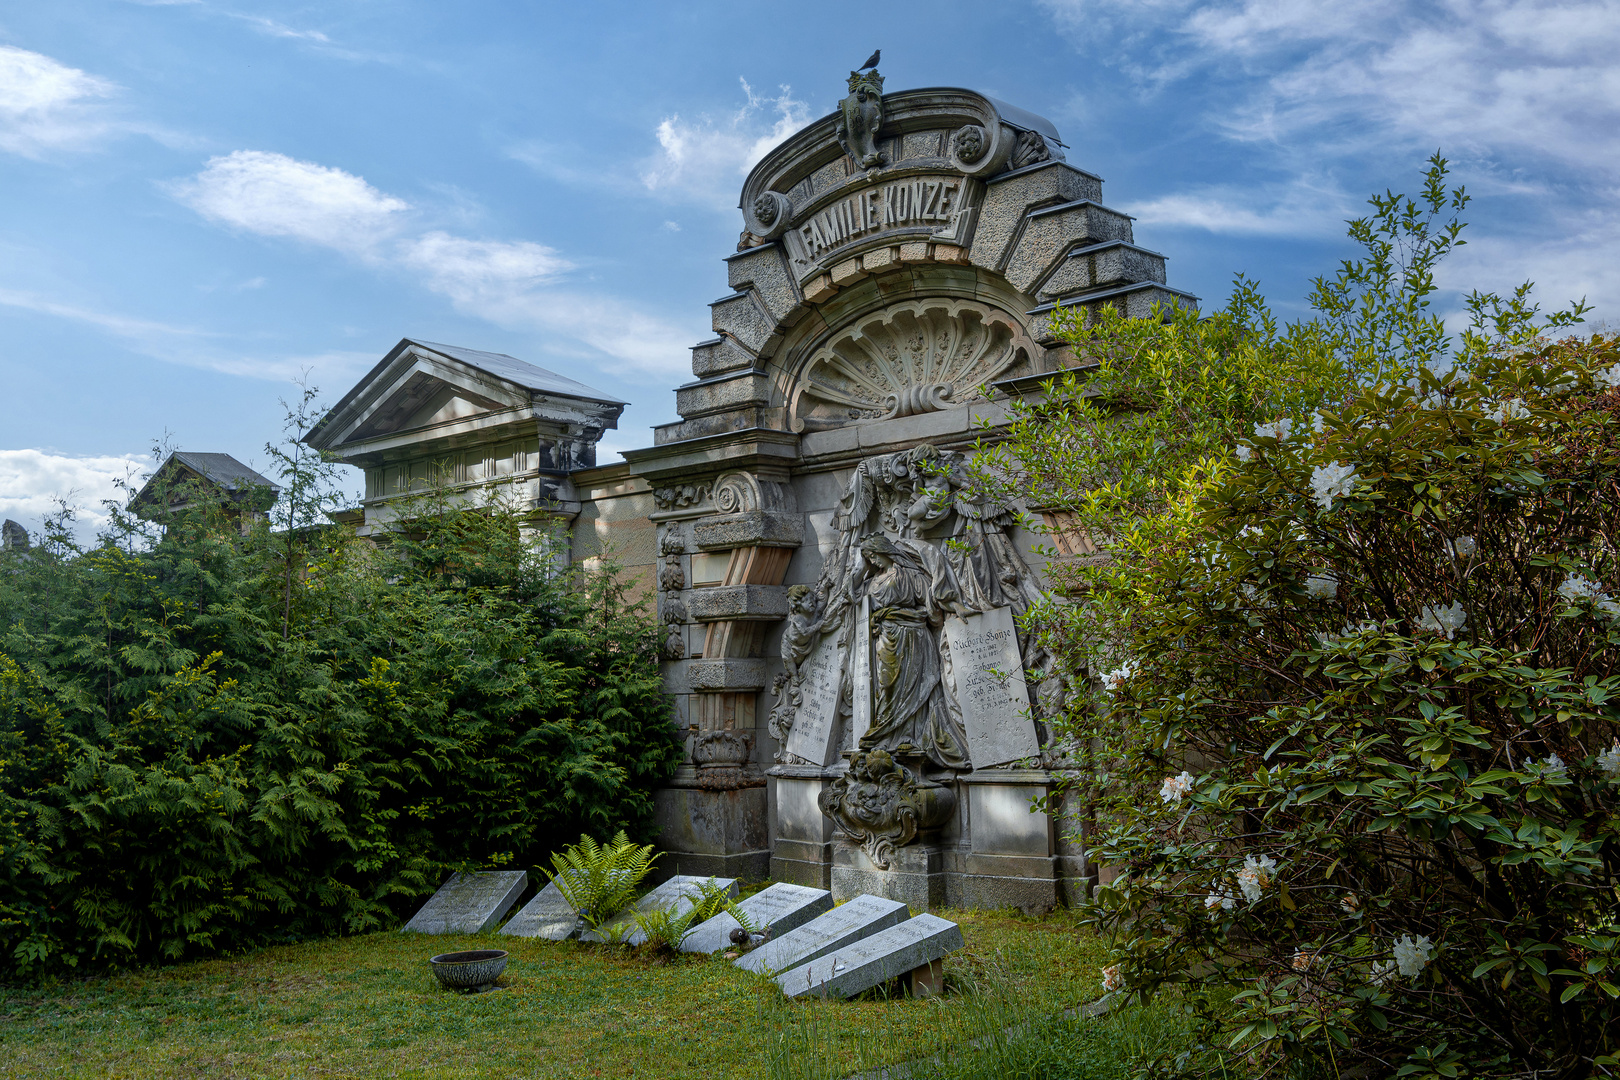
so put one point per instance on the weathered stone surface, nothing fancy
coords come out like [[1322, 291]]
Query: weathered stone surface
[[1008, 198], [819, 288], [776, 910], [706, 833], [870, 961], [813, 736], [751, 528], [469, 903], [747, 602], [720, 356], [677, 895], [1000, 812], [915, 875], [987, 664], [743, 318], [729, 674], [734, 391], [547, 916], [843, 925], [1112, 262], [847, 271], [765, 270], [1050, 232]]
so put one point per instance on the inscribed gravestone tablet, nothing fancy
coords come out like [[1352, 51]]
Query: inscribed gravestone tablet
[[778, 909], [677, 895], [861, 917], [547, 916], [990, 687], [470, 903], [873, 960], [815, 722]]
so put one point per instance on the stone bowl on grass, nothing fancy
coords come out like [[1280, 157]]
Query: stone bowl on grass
[[474, 970]]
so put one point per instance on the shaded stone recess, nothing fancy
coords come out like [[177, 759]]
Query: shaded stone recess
[[839, 604]]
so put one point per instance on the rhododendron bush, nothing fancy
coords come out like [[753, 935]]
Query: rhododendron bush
[[1385, 829], [1338, 611]]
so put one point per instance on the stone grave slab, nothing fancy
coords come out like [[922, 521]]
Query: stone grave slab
[[815, 722], [547, 916], [779, 909], [904, 948], [843, 925], [990, 687], [470, 903], [676, 895]]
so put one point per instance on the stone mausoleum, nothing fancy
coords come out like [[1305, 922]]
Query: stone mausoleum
[[838, 602]]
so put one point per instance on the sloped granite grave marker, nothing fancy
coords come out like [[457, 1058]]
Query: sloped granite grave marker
[[778, 909], [677, 895], [470, 903], [911, 948], [547, 916], [843, 925]]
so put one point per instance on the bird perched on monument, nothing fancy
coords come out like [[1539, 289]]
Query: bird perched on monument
[[871, 61]]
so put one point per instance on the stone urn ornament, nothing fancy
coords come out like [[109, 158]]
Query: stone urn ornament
[[882, 805]]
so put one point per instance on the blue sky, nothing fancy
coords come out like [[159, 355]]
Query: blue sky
[[200, 200]]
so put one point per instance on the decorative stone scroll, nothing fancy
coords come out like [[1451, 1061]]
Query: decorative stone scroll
[[915, 357], [882, 805]]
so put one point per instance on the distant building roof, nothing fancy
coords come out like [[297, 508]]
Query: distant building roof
[[221, 470], [517, 371]]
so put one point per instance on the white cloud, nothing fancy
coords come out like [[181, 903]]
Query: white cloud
[[32, 481], [1305, 207], [274, 195], [706, 160], [511, 283], [271, 28], [121, 325], [46, 105]]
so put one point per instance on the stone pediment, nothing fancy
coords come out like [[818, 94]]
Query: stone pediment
[[425, 395]]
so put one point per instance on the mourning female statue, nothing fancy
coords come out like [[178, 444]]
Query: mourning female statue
[[908, 605]]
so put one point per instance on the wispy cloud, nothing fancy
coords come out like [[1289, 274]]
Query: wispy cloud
[[516, 284], [1306, 206], [47, 106], [32, 482], [271, 28], [706, 159]]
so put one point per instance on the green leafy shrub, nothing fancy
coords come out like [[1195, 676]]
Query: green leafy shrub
[[665, 929], [1375, 796], [601, 880], [209, 741]]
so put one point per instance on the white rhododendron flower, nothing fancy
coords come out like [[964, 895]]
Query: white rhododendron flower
[[1277, 429], [1174, 787], [1322, 587], [1412, 954], [1609, 760], [1608, 608], [1382, 972], [1554, 764], [1331, 481], [1576, 588], [1463, 547], [1244, 453], [1218, 901], [1255, 876], [1117, 678], [1317, 423], [1443, 620], [1112, 979], [1511, 409], [1608, 378]]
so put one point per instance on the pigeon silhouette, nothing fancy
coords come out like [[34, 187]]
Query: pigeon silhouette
[[871, 61]]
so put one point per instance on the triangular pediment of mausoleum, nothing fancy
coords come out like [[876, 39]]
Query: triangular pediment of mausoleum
[[422, 391]]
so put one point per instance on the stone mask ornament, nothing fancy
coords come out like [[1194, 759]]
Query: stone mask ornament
[[882, 805]]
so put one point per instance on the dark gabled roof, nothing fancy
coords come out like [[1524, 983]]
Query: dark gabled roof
[[221, 470], [518, 371]]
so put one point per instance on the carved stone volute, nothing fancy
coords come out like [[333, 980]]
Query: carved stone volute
[[882, 805]]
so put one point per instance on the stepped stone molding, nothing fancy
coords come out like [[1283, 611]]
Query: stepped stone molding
[[914, 357]]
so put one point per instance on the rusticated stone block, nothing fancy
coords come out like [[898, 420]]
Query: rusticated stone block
[[881, 260], [746, 602], [847, 271], [729, 674], [820, 288], [751, 528]]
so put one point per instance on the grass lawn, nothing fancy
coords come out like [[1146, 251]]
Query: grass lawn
[[368, 1006]]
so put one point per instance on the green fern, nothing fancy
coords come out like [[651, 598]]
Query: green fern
[[665, 930], [600, 880]]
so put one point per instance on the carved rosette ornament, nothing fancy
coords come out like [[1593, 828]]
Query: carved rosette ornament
[[916, 357], [882, 805]]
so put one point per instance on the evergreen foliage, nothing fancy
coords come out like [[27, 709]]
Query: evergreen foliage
[[601, 880], [209, 740]]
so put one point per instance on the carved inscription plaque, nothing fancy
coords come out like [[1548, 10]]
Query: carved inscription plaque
[[815, 722], [990, 687], [940, 207]]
